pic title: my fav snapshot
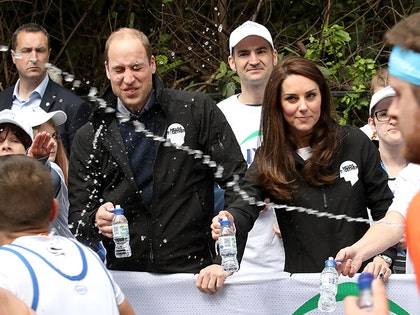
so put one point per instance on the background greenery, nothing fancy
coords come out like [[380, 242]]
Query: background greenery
[[190, 39]]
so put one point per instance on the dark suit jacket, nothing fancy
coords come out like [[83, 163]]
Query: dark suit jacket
[[57, 97]]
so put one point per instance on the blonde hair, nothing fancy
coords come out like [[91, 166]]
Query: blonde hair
[[379, 81]]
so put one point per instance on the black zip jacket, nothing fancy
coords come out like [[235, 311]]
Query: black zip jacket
[[175, 236], [308, 239]]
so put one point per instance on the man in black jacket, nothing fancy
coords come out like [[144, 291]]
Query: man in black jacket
[[164, 186], [30, 51]]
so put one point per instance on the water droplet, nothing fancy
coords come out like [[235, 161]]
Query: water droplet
[[68, 77], [18, 55], [220, 28], [77, 83]]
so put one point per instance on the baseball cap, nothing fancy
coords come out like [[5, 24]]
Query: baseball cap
[[247, 29], [37, 116], [7, 116], [379, 96]]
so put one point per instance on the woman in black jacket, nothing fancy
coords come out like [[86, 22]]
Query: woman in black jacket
[[308, 161]]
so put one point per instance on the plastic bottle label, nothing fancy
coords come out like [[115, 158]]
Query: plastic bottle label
[[227, 242], [328, 279], [120, 230]]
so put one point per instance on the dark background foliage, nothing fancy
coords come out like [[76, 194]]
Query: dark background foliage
[[190, 37]]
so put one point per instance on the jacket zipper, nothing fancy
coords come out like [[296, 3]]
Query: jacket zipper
[[324, 197]]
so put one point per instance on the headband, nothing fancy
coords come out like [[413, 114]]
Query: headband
[[404, 64]]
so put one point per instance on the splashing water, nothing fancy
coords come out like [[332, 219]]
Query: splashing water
[[198, 154]]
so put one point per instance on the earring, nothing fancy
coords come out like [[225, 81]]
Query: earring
[[373, 136]]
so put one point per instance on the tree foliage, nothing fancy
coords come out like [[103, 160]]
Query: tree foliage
[[190, 38]]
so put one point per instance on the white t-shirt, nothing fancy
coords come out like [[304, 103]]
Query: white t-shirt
[[245, 122], [406, 186], [57, 275], [61, 222], [264, 251]]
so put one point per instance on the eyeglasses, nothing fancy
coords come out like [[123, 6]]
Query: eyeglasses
[[56, 137], [382, 116]]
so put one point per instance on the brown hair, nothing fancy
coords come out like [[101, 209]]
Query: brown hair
[[61, 158], [276, 168], [379, 80], [27, 192], [31, 28], [406, 34], [129, 32], [20, 134]]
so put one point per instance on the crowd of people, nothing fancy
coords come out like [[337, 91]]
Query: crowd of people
[[172, 159]]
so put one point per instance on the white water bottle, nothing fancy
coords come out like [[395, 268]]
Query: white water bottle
[[328, 286], [365, 292], [121, 234], [227, 247]]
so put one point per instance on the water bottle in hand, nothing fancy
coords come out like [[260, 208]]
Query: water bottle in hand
[[328, 286], [365, 292], [121, 234], [227, 247]]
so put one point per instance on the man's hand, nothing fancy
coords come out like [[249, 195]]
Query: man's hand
[[103, 219], [380, 301], [211, 279], [348, 263]]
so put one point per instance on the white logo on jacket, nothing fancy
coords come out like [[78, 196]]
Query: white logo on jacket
[[176, 133], [349, 171]]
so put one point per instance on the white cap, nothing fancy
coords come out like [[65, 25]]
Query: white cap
[[16, 118], [247, 29], [37, 116], [379, 96]]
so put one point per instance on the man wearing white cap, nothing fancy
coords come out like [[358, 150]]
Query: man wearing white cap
[[253, 57]]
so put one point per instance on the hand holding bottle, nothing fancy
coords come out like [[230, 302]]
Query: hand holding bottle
[[215, 226], [227, 246], [121, 233], [380, 301], [103, 219]]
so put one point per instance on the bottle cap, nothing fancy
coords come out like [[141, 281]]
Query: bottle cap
[[225, 222], [365, 280], [330, 262], [118, 210]]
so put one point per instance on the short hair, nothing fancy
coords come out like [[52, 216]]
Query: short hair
[[26, 192], [126, 32], [406, 33], [31, 28]]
